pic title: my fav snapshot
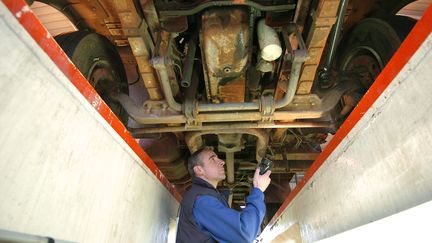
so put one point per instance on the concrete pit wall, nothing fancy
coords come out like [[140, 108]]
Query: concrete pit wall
[[64, 172]]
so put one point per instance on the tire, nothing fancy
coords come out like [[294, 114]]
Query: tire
[[99, 62], [372, 39], [366, 50]]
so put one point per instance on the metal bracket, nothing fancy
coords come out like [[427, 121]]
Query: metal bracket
[[160, 61], [150, 106], [267, 108], [301, 54], [191, 111]]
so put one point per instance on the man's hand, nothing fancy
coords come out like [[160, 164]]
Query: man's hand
[[261, 181]]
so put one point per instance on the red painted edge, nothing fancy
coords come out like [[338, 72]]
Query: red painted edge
[[33, 26], [411, 44]]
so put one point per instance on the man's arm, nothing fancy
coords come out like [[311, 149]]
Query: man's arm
[[226, 224]]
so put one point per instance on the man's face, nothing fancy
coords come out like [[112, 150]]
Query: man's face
[[211, 167]]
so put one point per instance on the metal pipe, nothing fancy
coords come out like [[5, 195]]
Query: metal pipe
[[292, 85], [169, 13], [228, 106], [189, 104], [336, 34], [268, 40], [232, 116], [329, 101], [229, 160], [188, 67], [159, 64], [136, 132], [298, 58], [157, 116]]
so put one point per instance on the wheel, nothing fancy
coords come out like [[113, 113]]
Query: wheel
[[366, 50], [369, 47], [99, 62]]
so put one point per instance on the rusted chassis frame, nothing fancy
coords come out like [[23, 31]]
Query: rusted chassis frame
[[193, 116], [265, 111], [317, 108]]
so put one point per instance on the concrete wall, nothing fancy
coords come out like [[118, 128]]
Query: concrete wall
[[382, 166], [411, 225], [64, 172]]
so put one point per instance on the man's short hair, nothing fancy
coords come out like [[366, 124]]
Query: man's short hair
[[195, 159]]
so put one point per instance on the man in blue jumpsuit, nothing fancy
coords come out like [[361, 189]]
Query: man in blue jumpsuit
[[205, 215]]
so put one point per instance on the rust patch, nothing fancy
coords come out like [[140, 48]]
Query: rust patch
[[233, 91], [225, 47]]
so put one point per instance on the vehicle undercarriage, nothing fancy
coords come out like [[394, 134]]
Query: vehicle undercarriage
[[252, 79]]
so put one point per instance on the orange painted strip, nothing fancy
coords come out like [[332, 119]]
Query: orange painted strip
[[411, 44], [38, 32]]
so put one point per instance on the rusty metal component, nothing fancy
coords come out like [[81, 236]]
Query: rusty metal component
[[153, 112], [225, 50], [137, 132], [233, 91], [324, 74], [175, 24], [190, 106], [141, 44], [147, 72], [151, 17], [194, 140], [233, 106], [164, 47], [310, 108], [160, 63], [230, 142], [323, 19], [163, 64], [292, 62], [297, 58], [278, 135], [301, 13], [267, 108], [116, 31], [173, 9], [278, 19], [189, 62], [128, 15], [336, 32]]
